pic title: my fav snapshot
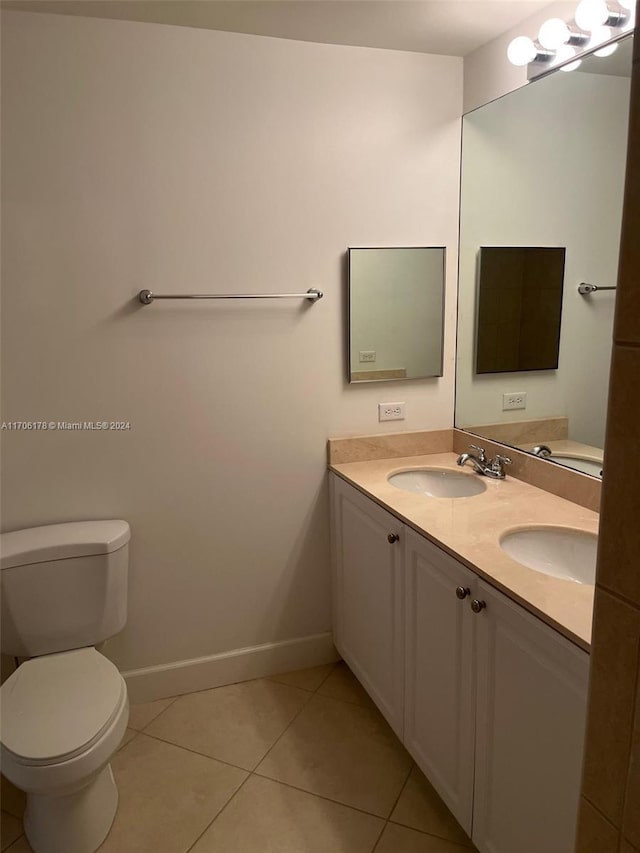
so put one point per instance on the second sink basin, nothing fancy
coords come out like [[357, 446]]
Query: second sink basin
[[587, 466], [438, 483], [562, 552]]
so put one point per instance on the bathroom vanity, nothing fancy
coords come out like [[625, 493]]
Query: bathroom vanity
[[479, 664]]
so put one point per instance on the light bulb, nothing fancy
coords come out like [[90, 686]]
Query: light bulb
[[553, 33], [521, 51], [598, 35], [606, 51], [565, 52], [630, 20], [591, 14]]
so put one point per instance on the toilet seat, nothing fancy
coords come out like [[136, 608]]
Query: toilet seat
[[56, 707]]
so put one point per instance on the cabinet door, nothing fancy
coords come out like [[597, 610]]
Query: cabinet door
[[531, 708], [368, 597], [439, 695]]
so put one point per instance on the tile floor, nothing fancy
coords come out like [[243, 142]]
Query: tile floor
[[298, 763]]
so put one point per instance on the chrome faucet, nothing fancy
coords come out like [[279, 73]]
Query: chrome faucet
[[493, 468], [541, 450]]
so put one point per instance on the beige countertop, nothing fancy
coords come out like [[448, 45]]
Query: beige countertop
[[470, 529]]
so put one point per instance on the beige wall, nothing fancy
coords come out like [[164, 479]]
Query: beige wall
[[610, 806], [146, 156]]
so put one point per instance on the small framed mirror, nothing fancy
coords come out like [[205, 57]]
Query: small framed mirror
[[396, 313]]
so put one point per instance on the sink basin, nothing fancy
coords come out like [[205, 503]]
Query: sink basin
[[561, 552], [587, 466], [438, 483]]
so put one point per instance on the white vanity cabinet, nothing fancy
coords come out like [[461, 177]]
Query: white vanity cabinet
[[494, 700], [368, 597], [439, 672], [531, 703]]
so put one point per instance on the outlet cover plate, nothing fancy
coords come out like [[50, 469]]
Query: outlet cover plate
[[514, 400], [391, 411]]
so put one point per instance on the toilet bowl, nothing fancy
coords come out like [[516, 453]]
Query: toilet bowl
[[65, 710], [64, 716]]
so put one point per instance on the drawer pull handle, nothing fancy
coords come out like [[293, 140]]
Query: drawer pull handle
[[462, 592], [477, 606], [393, 537]]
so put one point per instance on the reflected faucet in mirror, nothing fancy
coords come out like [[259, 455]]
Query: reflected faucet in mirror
[[541, 450]]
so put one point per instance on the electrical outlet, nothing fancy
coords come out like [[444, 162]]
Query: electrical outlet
[[391, 411], [515, 400], [367, 355]]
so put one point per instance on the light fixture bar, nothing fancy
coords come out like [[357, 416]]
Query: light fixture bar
[[596, 29]]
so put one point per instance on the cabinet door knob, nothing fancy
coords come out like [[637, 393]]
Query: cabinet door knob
[[477, 605], [462, 592], [393, 537]]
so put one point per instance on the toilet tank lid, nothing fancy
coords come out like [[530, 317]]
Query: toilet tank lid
[[61, 541]]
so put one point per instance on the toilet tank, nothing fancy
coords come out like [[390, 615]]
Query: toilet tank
[[63, 586]]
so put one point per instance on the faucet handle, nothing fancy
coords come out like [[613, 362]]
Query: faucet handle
[[502, 460], [497, 465], [482, 455]]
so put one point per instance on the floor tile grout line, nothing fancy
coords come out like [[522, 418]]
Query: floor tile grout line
[[222, 761], [274, 678], [13, 843], [174, 699], [393, 807], [404, 785], [217, 815], [463, 845], [319, 796], [346, 701], [379, 838], [285, 730], [259, 775], [331, 671], [194, 752], [250, 773]]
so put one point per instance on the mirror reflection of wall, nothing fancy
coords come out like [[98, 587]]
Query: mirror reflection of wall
[[396, 309], [544, 166]]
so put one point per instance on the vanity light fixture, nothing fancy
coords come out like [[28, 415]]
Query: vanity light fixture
[[595, 28], [591, 14], [555, 32]]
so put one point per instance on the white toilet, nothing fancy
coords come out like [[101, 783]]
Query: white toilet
[[64, 711]]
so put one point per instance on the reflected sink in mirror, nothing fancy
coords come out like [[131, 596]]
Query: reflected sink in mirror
[[562, 552], [438, 483], [587, 466]]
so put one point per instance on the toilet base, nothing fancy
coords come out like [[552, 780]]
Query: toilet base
[[75, 822]]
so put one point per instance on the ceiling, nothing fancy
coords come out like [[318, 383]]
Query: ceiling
[[454, 27]]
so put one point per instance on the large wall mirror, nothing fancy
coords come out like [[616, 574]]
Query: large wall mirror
[[543, 169], [396, 313]]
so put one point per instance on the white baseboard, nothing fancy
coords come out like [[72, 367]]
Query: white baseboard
[[187, 676]]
